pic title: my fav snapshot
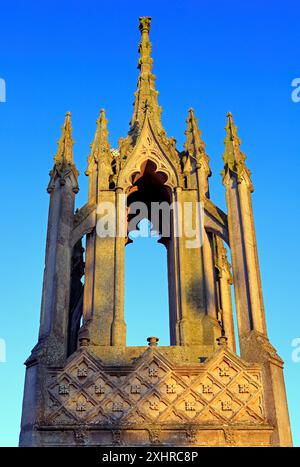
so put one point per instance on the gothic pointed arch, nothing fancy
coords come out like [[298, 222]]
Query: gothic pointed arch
[[149, 147]]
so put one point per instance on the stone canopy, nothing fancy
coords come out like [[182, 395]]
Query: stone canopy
[[84, 385]]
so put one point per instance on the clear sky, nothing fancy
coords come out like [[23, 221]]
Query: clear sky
[[82, 55]]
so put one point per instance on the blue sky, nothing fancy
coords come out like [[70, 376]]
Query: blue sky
[[81, 56]]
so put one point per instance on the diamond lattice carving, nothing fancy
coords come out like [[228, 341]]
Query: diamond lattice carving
[[222, 389]]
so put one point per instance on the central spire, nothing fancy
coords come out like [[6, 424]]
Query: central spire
[[145, 46], [146, 108], [145, 95]]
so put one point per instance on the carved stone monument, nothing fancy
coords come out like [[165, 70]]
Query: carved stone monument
[[83, 385]]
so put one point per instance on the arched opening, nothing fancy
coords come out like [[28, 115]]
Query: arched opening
[[146, 258], [149, 190], [146, 287]]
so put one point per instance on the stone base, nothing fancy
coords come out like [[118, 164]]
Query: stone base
[[162, 397]]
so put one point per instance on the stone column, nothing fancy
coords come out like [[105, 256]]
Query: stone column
[[209, 276], [118, 325], [246, 274], [89, 275], [247, 285], [203, 173], [179, 277], [63, 186], [62, 279], [239, 266], [255, 288], [225, 281], [174, 276], [56, 280], [195, 325], [99, 296], [50, 262]]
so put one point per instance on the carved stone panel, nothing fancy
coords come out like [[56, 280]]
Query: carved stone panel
[[222, 390]]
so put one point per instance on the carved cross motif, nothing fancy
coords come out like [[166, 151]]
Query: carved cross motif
[[153, 405], [82, 372], [99, 389], [81, 406], [63, 389], [244, 388], [152, 372], [207, 388], [171, 388], [226, 406], [117, 407], [223, 371], [190, 406], [135, 389]]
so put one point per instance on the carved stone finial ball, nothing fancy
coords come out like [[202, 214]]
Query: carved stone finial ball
[[222, 340], [145, 23], [152, 340], [84, 337]]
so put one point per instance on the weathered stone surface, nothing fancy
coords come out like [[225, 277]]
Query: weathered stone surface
[[171, 402], [84, 386]]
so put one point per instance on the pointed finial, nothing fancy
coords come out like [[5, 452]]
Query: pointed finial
[[145, 95], [100, 159], [146, 107], [187, 166], [195, 146], [231, 129], [102, 124], [100, 145], [145, 46], [233, 157], [65, 143], [64, 154], [63, 159]]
